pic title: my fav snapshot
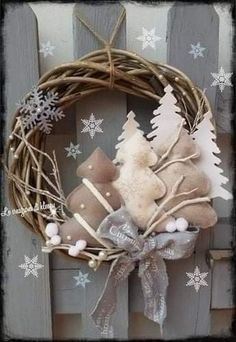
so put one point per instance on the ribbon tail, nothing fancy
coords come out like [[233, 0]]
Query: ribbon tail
[[154, 279], [106, 304]]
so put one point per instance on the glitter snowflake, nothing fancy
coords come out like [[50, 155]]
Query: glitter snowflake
[[31, 266], [47, 49], [92, 126], [197, 279], [221, 79], [148, 38], [40, 109], [197, 50], [82, 279], [73, 150]]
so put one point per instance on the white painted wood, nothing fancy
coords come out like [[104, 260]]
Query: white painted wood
[[27, 307]]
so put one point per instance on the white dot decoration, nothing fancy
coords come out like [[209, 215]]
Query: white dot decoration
[[90, 167], [81, 244], [51, 229], [73, 251], [11, 137], [92, 263], [181, 224], [82, 206], [55, 240], [68, 237], [171, 227], [108, 194], [102, 255]]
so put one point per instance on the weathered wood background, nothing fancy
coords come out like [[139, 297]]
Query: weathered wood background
[[51, 305]]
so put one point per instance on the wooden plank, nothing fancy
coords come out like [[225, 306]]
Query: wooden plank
[[27, 300], [192, 24], [71, 299], [222, 289], [111, 107], [147, 17], [184, 29], [221, 322]]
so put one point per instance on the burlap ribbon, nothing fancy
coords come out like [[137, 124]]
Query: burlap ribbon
[[149, 254]]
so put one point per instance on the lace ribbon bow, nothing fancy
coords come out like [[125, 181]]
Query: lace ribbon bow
[[149, 254]]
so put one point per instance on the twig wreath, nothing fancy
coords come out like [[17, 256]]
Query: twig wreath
[[118, 237]]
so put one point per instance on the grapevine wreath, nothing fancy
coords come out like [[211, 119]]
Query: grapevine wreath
[[146, 205]]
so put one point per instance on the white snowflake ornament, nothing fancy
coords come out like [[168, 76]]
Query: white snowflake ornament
[[222, 79], [92, 126], [31, 266], [82, 279], [73, 150], [197, 279], [46, 49], [197, 50], [149, 38], [40, 109]]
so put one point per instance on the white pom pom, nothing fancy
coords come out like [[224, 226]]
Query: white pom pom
[[55, 240], [181, 224], [171, 226], [51, 229], [73, 251], [81, 244]]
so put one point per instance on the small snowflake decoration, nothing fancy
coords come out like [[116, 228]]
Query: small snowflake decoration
[[92, 126], [148, 38], [40, 109], [82, 279], [197, 279], [47, 49], [31, 266], [222, 79], [196, 50], [73, 150]]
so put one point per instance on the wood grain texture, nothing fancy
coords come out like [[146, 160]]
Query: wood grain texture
[[185, 28], [71, 299], [222, 290], [27, 300], [111, 107], [190, 24]]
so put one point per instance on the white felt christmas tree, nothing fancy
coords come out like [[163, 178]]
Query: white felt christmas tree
[[130, 127], [165, 118], [205, 138]]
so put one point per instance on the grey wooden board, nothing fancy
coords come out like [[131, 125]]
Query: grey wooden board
[[190, 24], [222, 291], [27, 300], [224, 109], [185, 28], [185, 318], [111, 107], [69, 299], [222, 237]]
